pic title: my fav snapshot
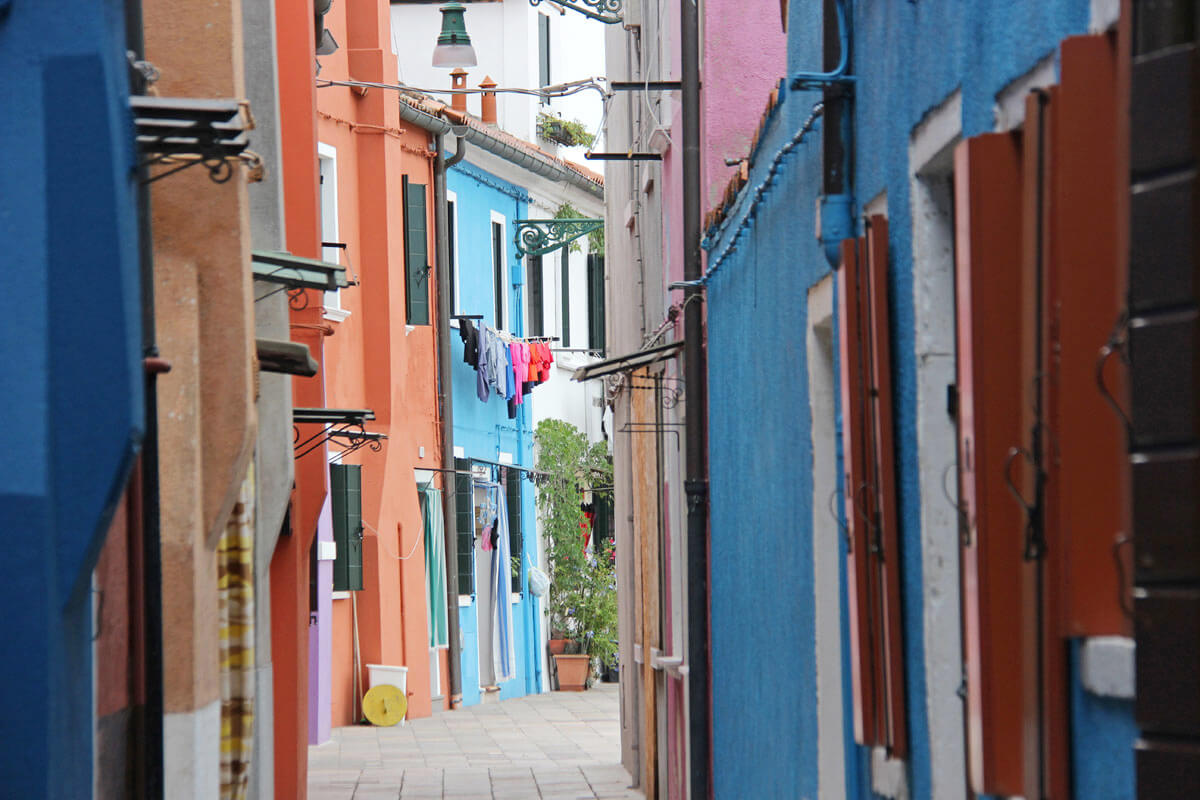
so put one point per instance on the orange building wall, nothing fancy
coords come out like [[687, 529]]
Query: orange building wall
[[374, 360]]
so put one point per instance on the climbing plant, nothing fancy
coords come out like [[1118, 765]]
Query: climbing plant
[[595, 238], [582, 600]]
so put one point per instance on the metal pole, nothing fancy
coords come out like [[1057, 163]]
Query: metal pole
[[694, 367], [445, 402]]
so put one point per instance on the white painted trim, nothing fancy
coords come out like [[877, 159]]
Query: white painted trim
[[452, 197], [340, 595], [466, 600], [326, 551], [1010, 101], [504, 458], [330, 228], [889, 778], [877, 206], [192, 753], [460, 452], [831, 749], [1107, 666], [505, 280], [931, 164], [929, 143], [1104, 16]]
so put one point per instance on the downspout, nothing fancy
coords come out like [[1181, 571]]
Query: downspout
[[837, 194], [148, 724], [694, 367], [446, 403]]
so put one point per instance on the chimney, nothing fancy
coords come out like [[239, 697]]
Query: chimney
[[458, 80], [487, 101]]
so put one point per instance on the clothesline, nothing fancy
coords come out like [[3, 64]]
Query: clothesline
[[506, 365]]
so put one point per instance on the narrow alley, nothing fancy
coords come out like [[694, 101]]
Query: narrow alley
[[555, 745]]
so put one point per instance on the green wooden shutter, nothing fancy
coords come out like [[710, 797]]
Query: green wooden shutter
[[416, 254], [544, 51], [595, 269], [500, 297], [537, 308], [464, 505], [345, 482], [516, 539], [565, 335]]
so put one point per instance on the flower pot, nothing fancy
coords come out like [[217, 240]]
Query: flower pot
[[572, 672], [558, 646]]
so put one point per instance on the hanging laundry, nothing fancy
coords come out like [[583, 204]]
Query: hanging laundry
[[482, 376], [520, 369], [470, 340]]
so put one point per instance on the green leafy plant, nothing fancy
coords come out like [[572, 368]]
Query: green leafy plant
[[595, 238], [567, 132], [582, 601]]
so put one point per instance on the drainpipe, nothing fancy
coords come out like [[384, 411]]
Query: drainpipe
[[837, 199], [148, 724], [446, 402], [694, 368]]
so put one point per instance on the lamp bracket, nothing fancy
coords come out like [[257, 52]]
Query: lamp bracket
[[606, 11], [536, 237]]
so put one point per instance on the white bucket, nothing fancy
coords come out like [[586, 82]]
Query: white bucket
[[381, 675]]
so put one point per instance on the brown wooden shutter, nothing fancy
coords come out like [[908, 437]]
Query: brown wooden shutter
[[992, 394], [886, 524], [859, 575]]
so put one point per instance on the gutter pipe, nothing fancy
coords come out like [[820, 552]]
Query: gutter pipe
[[446, 403], [147, 721], [695, 379], [497, 146]]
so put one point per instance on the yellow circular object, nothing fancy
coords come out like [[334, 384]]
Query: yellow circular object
[[384, 705]]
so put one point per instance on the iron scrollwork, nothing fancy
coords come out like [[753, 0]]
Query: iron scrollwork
[[606, 11], [536, 237]]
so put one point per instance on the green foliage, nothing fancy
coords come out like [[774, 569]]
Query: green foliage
[[595, 238], [582, 601], [567, 132]]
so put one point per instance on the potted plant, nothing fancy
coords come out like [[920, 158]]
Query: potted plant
[[582, 598], [566, 132]]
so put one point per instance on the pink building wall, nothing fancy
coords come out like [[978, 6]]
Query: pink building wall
[[744, 56]]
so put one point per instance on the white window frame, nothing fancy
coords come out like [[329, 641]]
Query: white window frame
[[327, 164], [452, 197], [496, 217]]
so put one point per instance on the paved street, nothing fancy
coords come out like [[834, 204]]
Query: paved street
[[556, 745]]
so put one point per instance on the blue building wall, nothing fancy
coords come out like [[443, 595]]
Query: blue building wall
[[484, 430], [909, 57], [70, 383]]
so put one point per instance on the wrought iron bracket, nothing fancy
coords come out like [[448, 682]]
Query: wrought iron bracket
[[345, 425], [536, 237], [606, 11], [182, 132]]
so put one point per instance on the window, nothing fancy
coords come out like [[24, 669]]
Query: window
[[499, 273], [544, 53], [452, 249], [345, 490], [416, 254], [595, 299], [327, 165], [565, 292], [873, 572], [537, 296], [464, 512], [516, 539]]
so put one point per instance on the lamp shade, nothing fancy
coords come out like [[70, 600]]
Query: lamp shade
[[453, 44]]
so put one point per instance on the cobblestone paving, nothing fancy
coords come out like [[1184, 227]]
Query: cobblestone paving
[[561, 745]]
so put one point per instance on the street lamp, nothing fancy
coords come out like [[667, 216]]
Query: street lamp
[[453, 44]]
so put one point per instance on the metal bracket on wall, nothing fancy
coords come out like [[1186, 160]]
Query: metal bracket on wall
[[182, 132], [343, 424], [654, 427], [536, 237], [606, 11]]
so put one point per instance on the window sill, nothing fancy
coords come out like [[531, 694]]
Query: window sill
[[336, 314], [465, 600], [341, 595]]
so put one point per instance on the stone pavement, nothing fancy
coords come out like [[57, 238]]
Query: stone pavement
[[540, 747]]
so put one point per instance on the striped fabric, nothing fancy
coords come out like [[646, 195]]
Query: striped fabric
[[235, 598]]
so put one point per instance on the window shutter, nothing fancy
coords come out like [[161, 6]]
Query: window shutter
[[416, 254], [1092, 465], [595, 266], [992, 395], [537, 308], [516, 536], [499, 294], [543, 50], [451, 215], [886, 524], [565, 285], [345, 489], [464, 504], [862, 622]]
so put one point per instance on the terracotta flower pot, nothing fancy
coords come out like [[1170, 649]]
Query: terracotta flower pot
[[572, 672], [558, 646]]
